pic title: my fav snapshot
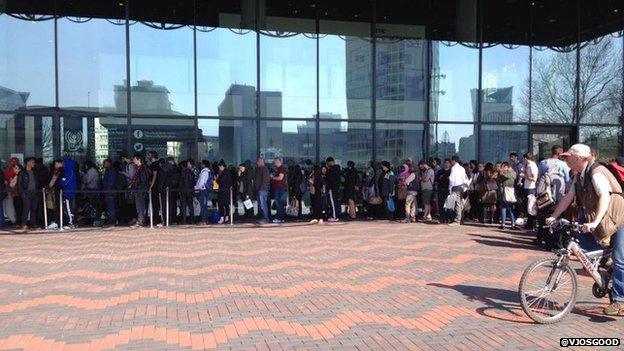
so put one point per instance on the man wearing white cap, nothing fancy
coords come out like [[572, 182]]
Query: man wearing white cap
[[598, 193]]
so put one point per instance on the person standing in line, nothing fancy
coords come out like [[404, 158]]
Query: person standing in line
[[279, 185], [129, 209], [262, 182], [168, 178], [442, 186], [387, 191], [316, 183], [3, 195], [507, 179], [203, 187], [351, 188], [140, 184], [27, 184], [333, 188], [109, 186], [91, 182], [245, 188], [187, 183], [69, 185], [412, 182], [458, 183], [224, 179], [529, 175], [427, 178], [154, 167]]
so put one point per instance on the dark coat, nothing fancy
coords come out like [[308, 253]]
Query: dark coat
[[187, 180], [262, 179], [245, 179]]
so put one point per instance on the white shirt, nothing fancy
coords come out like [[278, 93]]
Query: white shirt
[[531, 172], [458, 176], [599, 181]]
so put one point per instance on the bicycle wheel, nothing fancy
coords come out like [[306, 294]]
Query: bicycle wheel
[[548, 291]]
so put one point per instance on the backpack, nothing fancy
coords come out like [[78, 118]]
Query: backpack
[[617, 171], [551, 181]]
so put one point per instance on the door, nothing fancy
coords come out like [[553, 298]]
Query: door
[[543, 138]]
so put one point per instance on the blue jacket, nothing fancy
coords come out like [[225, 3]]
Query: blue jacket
[[110, 179], [69, 183]]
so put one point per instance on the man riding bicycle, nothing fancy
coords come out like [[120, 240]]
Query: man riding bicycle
[[599, 196]]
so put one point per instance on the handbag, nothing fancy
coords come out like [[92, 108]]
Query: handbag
[[401, 193], [50, 199], [390, 205], [375, 200], [544, 200], [509, 195], [489, 197]]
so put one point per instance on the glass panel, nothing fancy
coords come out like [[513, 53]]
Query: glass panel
[[396, 142], [110, 138], [345, 69], [543, 140], [453, 139], [26, 63], [601, 80], [288, 68], [166, 136], [92, 65], [78, 138], [605, 140], [231, 140], [161, 70], [505, 84], [553, 85], [293, 141], [25, 136], [226, 58], [401, 78], [498, 141], [454, 82], [346, 141]]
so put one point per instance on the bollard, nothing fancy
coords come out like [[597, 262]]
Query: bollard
[[61, 202], [45, 209], [151, 211], [167, 204], [231, 207]]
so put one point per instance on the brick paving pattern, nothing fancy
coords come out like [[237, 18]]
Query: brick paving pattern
[[355, 286]]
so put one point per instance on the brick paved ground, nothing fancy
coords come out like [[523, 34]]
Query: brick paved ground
[[364, 286]]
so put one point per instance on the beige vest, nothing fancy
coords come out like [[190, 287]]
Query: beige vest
[[588, 199]]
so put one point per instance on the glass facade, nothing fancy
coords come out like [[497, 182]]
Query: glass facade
[[367, 82]]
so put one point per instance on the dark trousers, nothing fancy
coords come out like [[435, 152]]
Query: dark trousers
[[317, 206], [186, 203], [139, 202], [332, 202], [156, 206], [30, 207], [19, 208], [111, 208], [224, 202]]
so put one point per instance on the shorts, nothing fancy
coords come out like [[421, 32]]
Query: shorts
[[425, 196]]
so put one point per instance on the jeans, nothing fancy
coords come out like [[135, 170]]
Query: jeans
[[111, 208], [1, 214], [139, 202], [263, 197], [410, 207], [587, 242], [30, 206], [459, 205], [280, 204], [504, 207], [203, 205]]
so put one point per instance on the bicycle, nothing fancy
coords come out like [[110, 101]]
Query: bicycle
[[537, 298]]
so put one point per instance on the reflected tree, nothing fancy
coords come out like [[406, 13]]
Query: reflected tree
[[600, 85]]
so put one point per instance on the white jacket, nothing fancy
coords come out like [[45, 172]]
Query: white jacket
[[204, 176]]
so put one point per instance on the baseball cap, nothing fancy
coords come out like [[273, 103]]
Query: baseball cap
[[580, 150]]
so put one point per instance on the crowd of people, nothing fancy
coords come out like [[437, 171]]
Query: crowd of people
[[119, 192]]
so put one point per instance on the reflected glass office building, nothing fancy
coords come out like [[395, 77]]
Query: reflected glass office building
[[357, 80]]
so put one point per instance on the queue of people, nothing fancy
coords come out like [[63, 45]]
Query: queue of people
[[119, 192]]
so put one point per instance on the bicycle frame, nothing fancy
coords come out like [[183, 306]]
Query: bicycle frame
[[589, 260]]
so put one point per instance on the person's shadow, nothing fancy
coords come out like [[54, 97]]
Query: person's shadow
[[504, 305]]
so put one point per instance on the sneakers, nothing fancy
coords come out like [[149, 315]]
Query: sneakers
[[278, 220], [320, 221], [314, 221], [333, 219], [453, 224], [221, 220], [615, 309]]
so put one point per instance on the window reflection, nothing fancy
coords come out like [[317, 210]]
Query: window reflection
[[226, 72], [505, 79], [92, 64], [553, 85], [231, 140], [24, 136], [26, 63], [601, 80], [293, 141], [288, 74], [605, 140], [453, 139], [161, 70], [454, 80], [345, 69], [170, 137], [396, 142], [498, 141], [346, 141]]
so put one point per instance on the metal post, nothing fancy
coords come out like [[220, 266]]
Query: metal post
[[231, 207], [151, 211], [61, 203], [167, 204], [45, 209]]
